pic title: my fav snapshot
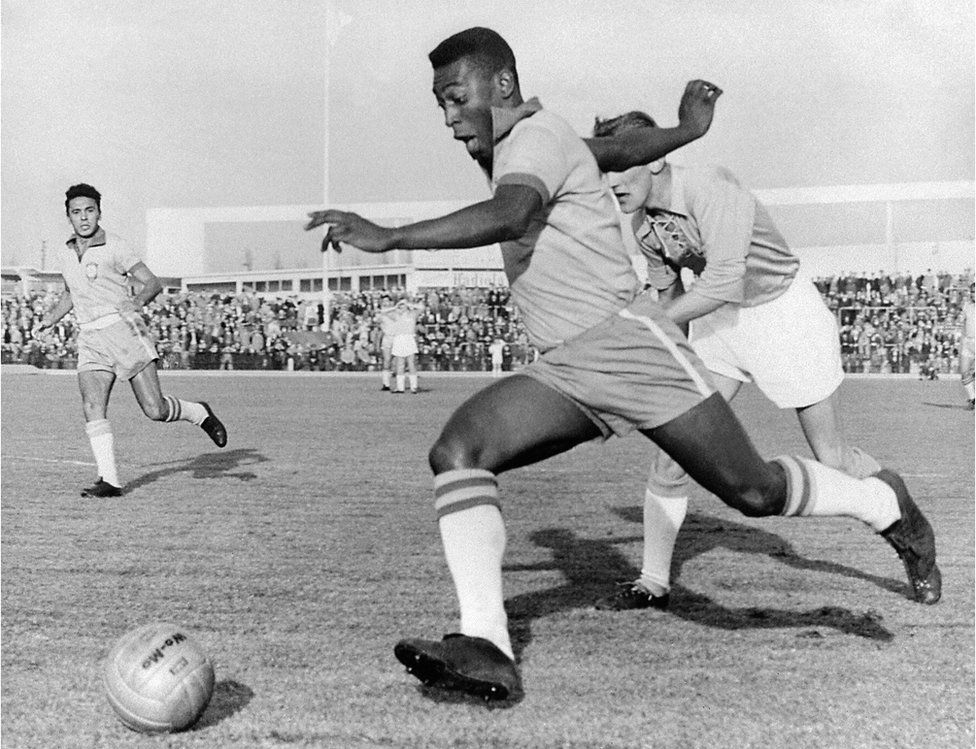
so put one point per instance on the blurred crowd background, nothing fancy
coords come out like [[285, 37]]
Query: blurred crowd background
[[900, 324]]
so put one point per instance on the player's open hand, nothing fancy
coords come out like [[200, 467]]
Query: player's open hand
[[697, 106], [351, 229]]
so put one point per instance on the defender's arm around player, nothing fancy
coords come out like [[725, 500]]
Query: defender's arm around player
[[612, 364], [113, 340]]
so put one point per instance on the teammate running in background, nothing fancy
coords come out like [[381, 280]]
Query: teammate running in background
[[403, 329], [386, 318], [113, 340], [754, 317], [612, 363], [967, 349], [497, 352]]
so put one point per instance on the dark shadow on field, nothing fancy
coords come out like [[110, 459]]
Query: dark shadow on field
[[229, 697], [591, 568], [223, 464], [954, 406]]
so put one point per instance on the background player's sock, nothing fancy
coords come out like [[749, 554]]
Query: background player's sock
[[413, 382], [386, 379], [400, 381], [103, 446], [180, 410], [663, 517], [473, 534], [818, 491]]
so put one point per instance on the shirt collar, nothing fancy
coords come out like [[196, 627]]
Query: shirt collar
[[97, 239], [675, 196], [504, 119]]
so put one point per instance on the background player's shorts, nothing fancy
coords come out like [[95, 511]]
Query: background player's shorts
[[404, 345], [124, 347], [790, 347], [633, 371]]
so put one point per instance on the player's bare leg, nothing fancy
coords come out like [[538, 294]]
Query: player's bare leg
[[160, 407], [665, 507], [711, 445], [399, 364], [822, 428], [514, 422], [96, 388]]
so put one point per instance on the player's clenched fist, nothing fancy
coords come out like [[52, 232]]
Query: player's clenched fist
[[351, 229], [698, 105]]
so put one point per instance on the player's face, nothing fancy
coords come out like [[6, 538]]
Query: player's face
[[83, 214], [466, 95], [632, 188]]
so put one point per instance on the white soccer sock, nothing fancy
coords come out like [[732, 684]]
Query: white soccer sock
[[386, 378], [413, 382], [400, 381], [663, 517], [180, 410], [818, 491], [473, 534], [103, 446]]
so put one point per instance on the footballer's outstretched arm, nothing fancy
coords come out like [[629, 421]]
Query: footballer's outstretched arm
[[507, 215], [63, 306], [632, 148]]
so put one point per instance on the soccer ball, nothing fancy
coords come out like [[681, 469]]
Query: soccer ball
[[157, 679]]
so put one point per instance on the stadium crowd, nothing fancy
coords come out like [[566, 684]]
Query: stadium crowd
[[888, 324]]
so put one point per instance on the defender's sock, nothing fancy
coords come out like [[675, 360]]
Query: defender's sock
[[386, 379], [413, 382], [663, 517], [180, 410], [473, 534], [103, 446], [400, 381], [818, 491]]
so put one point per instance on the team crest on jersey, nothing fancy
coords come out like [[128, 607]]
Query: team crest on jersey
[[663, 234], [91, 271]]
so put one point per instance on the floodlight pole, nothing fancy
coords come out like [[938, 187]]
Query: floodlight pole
[[335, 20]]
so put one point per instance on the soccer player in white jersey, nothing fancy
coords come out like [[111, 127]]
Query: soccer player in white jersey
[[386, 317], [403, 330], [967, 350], [754, 317], [613, 362], [113, 341]]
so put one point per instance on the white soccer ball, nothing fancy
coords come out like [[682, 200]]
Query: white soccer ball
[[157, 679]]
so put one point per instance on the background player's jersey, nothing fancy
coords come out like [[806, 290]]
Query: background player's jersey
[[570, 270], [717, 229], [404, 322], [98, 281]]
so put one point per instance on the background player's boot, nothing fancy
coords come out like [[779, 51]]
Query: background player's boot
[[102, 488], [632, 595], [214, 427], [466, 664], [914, 540]]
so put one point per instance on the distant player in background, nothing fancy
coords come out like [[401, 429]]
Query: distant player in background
[[404, 349], [967, 349], [612, 363], [497, 352], [113, 340], [753, 317], [386, 318]]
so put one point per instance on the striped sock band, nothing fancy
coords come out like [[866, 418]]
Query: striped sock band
[[175, 411], [98, 428], [464, 488], [799, 485]]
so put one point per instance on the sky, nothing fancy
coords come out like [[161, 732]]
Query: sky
[[199, 103]]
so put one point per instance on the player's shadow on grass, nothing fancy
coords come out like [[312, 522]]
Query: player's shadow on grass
[[229, 697], [223, 464], [591, 568], [954, 406]]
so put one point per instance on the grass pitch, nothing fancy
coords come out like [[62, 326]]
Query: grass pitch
[[300, 553]]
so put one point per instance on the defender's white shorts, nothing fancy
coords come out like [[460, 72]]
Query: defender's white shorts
[[124, 348], [404, 345], [790, 347]]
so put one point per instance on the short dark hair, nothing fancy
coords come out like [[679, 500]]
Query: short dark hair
[[82, 191], [621, 124], [486, 48]]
